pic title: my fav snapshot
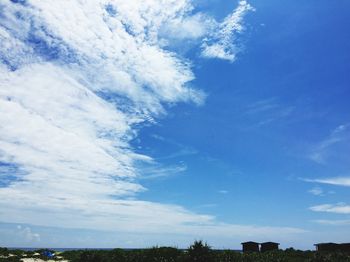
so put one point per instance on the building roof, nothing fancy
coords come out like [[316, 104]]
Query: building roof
[[269, 243], [249, 242], [329, 243]]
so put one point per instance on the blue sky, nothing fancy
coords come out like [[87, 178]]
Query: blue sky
[[267, 116], [218, 120]]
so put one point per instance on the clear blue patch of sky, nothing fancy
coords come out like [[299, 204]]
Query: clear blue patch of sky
[[9, 173], [287, 91]]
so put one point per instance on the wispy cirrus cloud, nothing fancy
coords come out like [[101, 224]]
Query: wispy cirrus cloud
[[155, 170], [269, 110], [322, 150], [180, 150]]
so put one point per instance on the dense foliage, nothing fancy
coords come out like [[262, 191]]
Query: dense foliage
[[197, 252]]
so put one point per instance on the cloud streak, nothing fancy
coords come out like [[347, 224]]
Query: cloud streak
[[340, 208], [337, 181], [269, 110]]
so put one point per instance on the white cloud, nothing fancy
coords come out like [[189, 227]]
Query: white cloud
[[76, 79], [107, 53], [339, 208], [317, 191], [68, 110], [191, 28], [221, 44], [337, 181], [333, 222], [27, 235]]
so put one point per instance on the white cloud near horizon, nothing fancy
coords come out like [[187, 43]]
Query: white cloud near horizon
[[76, 80], [27, 234]]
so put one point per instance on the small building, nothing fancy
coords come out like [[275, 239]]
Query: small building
[[268, 246], [250, 246], [328, 247]]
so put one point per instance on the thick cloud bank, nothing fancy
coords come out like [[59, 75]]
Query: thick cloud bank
[[76, 77]]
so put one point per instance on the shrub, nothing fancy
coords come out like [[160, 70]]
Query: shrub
[[200, 252]]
